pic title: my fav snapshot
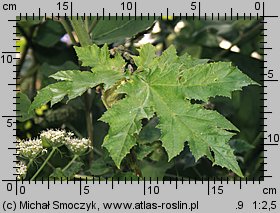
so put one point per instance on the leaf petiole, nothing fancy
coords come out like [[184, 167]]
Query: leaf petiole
[[93, 24], [29, 163], [70, 163], [68, 30], [85, 177], [44, 164]]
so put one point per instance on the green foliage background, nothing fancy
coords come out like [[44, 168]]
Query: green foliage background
[[44, 53]]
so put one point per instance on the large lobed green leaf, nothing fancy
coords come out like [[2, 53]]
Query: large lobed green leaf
[[74, 83], [163, 86]]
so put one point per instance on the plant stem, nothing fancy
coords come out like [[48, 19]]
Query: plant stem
[[70, 163], [84, 177], [26, 48], [97, 151], [252, 157], [49, 164], [103, 98], [33, 85], [44, 164], [82, 34], [84, 39], [22, 59], [76, 132], [197, 172], [133, 164], [68, 30], [93, 24], [240, 39], [29, 164], [86, 24], [89, 122], [30, 72]]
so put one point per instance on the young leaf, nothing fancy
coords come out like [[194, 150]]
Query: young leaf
[[99, 58], [161, 89], [146, 60]]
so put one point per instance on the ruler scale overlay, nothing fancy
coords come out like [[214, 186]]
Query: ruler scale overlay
[[112, 195]]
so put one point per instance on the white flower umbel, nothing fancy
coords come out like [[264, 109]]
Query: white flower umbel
[[21, 170], [54, 138], [78, 146], [31, 148]]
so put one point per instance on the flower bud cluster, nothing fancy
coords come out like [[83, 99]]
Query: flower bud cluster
[[54, 138], [21, 170], [31, 148], [78, 146]]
